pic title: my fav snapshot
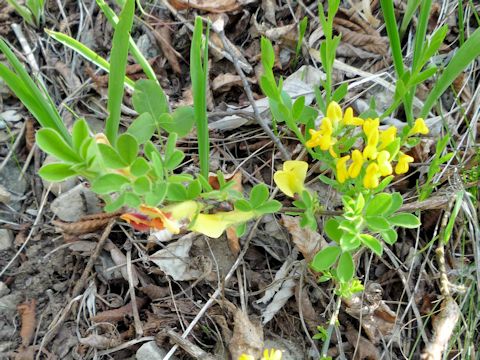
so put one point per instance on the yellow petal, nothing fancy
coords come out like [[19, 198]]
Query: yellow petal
[[402, 165], [341, 166], [384, 165], [419, 128], [349, 119], [387, 137], [246, 357], [334, 112], [273, 354], [155, 213], [357, 163], [213, 225], [372, 175], [291, 179]]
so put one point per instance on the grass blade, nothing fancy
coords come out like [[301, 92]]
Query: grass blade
[[86, 52], [463, 57], [36, 99], [117, 69], [137, 55], [392, 31], [198, 74]]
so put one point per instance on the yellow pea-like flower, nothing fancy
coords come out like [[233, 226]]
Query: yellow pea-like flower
[[402, 164], [334, 113], [383, 164], [246, 357], [387, 137], [370, 151], [316, 136], [291, 179], [372, 176], [419, 128], [357, 163], [273, 354], [342, 173], [369, 125], [349, 119]]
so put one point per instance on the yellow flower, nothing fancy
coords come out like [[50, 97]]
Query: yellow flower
[[372, 175], [273, 354], [334, 113], [370, 151], [418, 128], [246, 357], [315, 138], [291, 179], [369, 125], [213, 225], [170, 223], [387, 137], [323, 136], [383, 163], [342, 173], [349, 119], [357, 163], [402, 165]]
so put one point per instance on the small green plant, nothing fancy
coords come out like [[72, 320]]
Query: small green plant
[[32, 11], [128, 170]]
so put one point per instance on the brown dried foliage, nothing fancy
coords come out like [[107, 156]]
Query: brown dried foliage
[[86, 224], [116, 315], [28, 320]]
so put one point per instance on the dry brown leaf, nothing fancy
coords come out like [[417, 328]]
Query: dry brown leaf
[[307, 310], [28, 320], [214, 6], [364, 349], [120, 259], [307, 241], [87, 224], [247, 337], [162, 34], [378, 320], [100, 342], [116, 315], [224, 82], [155, 292], [30, 133]]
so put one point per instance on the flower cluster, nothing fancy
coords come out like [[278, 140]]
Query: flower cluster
[[380, 149]]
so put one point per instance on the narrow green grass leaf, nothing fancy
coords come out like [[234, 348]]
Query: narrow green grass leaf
[[394, 37], [118, 64], [86, 52], [136, 53], [198, 74], [48, 114], [462, 58]]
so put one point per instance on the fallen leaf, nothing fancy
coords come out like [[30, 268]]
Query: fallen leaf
[[119, 314], [28, 320], [163, 36], [247, 337], [364, 349], [309, 242], [215, 6], [175, 261], [282, 289]]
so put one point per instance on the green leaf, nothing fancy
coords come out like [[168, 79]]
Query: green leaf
[[258, 195], [149, 98], [325, 258], [140, 167], [269, 207], [268, 87], [349, 241], [340, 93], [267, 53], [345, 267], [194, 189], [298, 107], [131, 199], [110, 156], [372, 243], [52, 143], [174, 160], [377, 223], [116, 204], [176, 192], [332, 230], [404, 220], [396, 204], [127, 148], [56, 172], [378, 204], [156, 196], [142, 185], [243, 205], [142, 128], [390, 236], [109, 183], [464, 56], [118, 63], [183, 119], [241, 229], [79, 133]]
